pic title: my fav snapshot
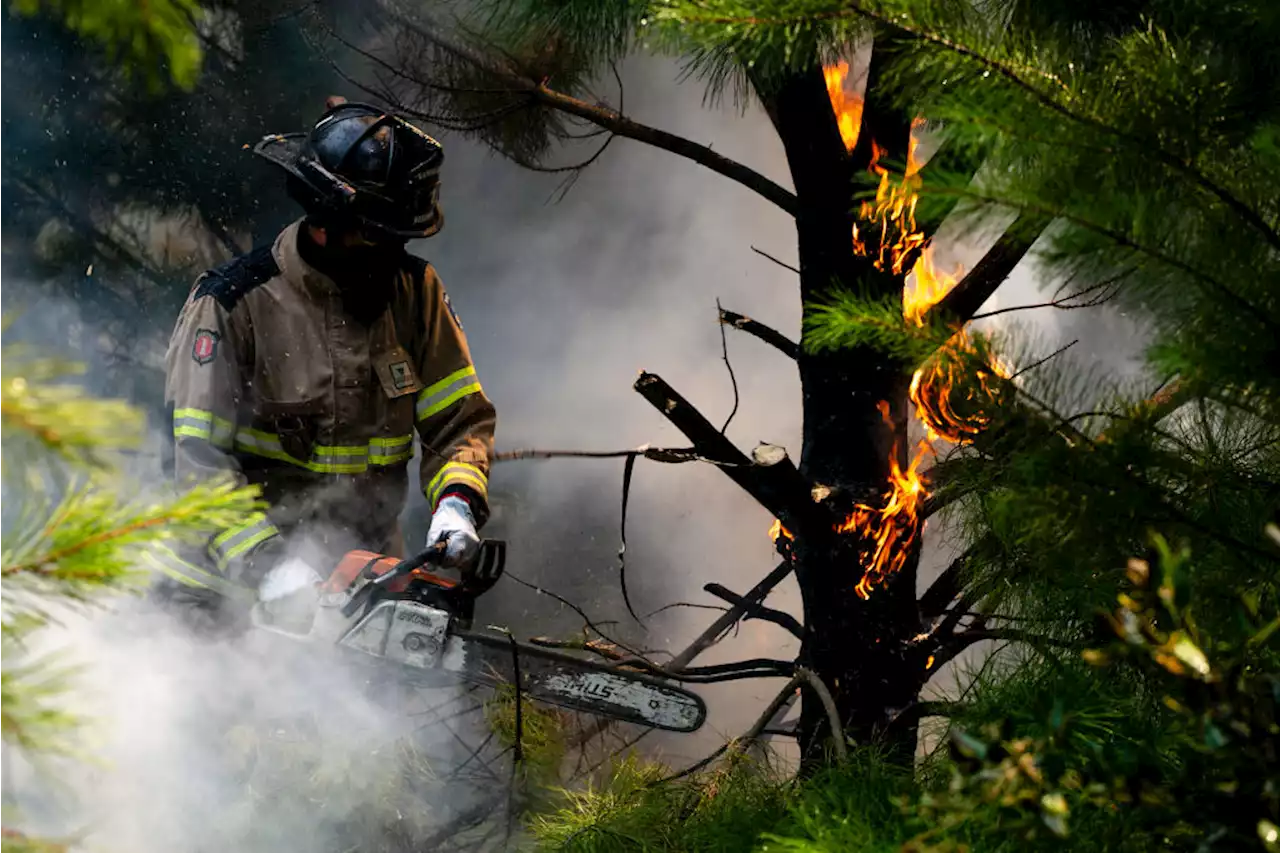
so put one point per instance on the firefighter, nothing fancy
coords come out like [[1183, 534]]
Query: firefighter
[[307, 365]]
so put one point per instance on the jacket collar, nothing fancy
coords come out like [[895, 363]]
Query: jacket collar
[[294, 268]]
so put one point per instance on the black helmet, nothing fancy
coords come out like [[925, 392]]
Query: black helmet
[[364, 164]]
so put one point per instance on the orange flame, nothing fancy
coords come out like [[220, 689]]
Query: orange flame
[[890, 530], [848, 108], [776, 530]]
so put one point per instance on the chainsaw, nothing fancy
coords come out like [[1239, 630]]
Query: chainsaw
[[400, 615]]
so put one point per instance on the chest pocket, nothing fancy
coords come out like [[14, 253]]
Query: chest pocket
[[400, 388]]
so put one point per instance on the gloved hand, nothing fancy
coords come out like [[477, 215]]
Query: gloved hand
[[456, 526]]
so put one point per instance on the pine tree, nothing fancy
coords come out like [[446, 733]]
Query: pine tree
[[1146, 135], [74, 529], [520, 76]]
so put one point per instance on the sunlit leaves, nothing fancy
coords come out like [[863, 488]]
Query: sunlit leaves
[[155, 39]]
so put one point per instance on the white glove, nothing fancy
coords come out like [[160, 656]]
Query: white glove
[[454, 523]]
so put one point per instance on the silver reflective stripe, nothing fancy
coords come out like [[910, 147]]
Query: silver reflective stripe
[[165, 561], [446, 392], [232, 543]]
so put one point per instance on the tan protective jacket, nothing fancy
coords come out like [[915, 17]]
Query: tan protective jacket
[[271, 379]]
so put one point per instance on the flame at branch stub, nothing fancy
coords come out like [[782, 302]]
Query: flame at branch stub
[[948, 396]]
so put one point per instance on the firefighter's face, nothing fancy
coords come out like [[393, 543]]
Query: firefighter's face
[[367, 239]]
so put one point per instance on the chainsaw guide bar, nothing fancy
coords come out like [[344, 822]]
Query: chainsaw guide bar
[[420, 631]]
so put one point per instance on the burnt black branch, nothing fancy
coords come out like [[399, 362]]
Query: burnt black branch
[[769, 335]]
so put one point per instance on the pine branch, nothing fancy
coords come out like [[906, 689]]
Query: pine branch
[[606, 117]]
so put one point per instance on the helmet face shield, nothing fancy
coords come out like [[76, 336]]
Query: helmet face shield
[[367, 165]]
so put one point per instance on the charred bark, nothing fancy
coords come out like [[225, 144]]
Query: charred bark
[[860, 648]]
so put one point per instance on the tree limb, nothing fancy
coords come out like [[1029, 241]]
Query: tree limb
[[951, 647], [778, 487], [829, 705], [946, 586], [765, 333], [712, 634], [917, 711], [964, 299], [608, 118], [784, 696], [759, 611], [786, 266]]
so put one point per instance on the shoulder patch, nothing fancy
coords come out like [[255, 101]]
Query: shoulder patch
[[229, 282], [204, 348], [452, 313]]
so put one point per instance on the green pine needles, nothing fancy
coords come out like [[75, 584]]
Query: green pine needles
[[74, 528]]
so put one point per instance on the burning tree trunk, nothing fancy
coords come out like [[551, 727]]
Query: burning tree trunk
[[853, 510], [854, 426]]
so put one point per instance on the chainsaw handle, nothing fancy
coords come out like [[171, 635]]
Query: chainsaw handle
[[431, 555]]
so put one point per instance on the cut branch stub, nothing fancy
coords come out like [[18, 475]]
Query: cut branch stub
[[769, 335], [767, 455], [778, 487]]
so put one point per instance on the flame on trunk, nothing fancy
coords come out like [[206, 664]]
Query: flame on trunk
[[889, 531]]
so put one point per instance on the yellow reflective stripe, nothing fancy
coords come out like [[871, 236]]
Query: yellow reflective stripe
[[326, 458], [461, 473], [199, 423], [164, 560], [235, 541], [267, 445], [443, 394], [388, 451]]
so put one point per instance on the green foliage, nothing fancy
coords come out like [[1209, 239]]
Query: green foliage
[[541, 734], [154, 38], [848, 320], [741, 806], [73, 532]]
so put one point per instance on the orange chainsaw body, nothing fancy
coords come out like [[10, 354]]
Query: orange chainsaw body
[[367, 564]]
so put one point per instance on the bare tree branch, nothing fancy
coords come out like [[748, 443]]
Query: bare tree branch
[[778, 487], [712, 634], [669, 455], [603, 116], [765, 333], [1038, 362], [733, 380], [758, 611], [784, 696], [964, 299], [917, 711], [829, 705], [786, 266], [947, 585]]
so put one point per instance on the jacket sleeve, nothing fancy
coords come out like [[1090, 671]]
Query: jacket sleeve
[[204, 389], [455, 420]]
